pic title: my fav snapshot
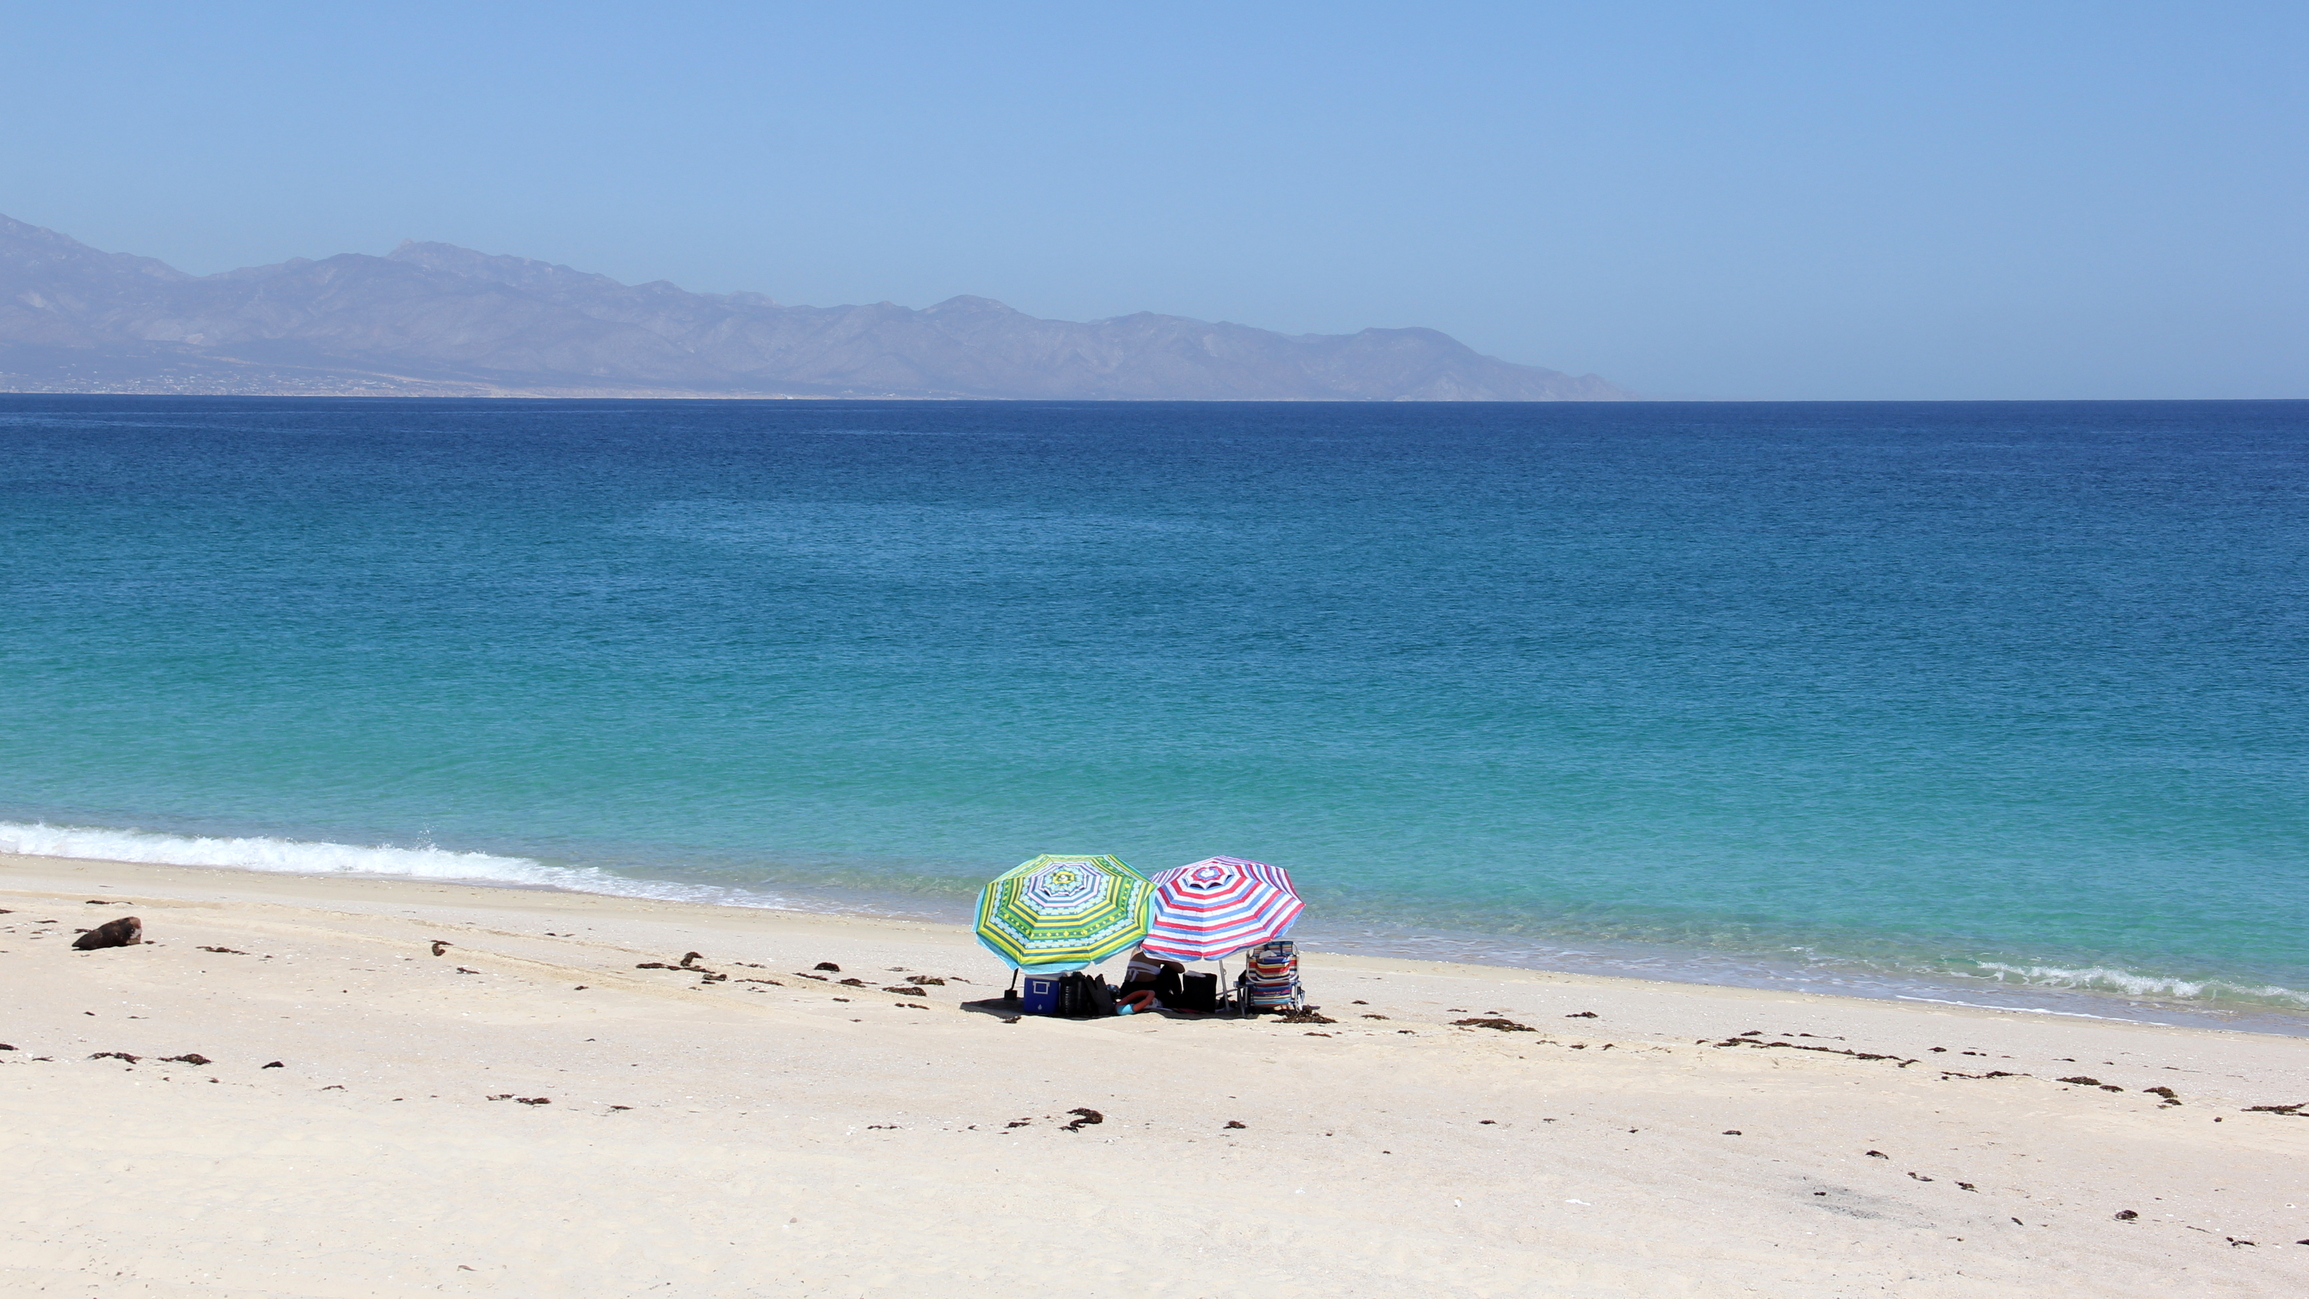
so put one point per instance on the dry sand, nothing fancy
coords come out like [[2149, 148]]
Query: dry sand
[[769, 1134]]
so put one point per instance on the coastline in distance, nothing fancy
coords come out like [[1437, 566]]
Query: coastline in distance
[[434, 320]]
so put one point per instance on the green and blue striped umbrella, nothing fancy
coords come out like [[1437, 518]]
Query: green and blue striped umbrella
[[1063, 912]]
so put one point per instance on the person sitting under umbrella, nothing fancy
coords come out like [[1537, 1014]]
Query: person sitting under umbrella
[[1147, 980]]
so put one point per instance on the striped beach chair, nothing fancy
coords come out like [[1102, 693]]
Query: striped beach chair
[[1270, 979]]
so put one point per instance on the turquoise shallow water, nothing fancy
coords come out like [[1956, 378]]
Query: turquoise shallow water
[[1994, 702]]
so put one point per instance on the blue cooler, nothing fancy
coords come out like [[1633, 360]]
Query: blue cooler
[[1040, 996]]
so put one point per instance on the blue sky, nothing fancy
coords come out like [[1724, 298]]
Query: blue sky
[[1705, 200]]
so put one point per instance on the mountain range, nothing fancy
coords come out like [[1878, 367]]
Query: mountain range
[[431, 319]]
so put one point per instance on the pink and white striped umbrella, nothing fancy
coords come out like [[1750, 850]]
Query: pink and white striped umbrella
[[1219, 906]]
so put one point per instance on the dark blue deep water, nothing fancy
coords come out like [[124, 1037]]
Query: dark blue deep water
[[1992, 702]]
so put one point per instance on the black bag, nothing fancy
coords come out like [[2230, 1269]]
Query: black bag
[[1196, 992], [1084, 996], [1165, 985]]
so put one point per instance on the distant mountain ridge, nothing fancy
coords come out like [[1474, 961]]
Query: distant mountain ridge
[[431, 319]]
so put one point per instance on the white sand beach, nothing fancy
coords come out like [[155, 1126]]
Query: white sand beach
[[530, 1113]]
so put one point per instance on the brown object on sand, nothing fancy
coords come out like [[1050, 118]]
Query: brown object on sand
[[440, 946], [124, 932], [1303, 1015]]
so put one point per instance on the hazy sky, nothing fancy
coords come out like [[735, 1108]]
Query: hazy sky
[[1713, 200]]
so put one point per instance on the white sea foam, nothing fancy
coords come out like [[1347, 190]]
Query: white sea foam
[[2030, 1010], [303, 857], [42, 840], [2099, 978]]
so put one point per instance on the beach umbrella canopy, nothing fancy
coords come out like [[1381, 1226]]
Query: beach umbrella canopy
[[1060, 912], [1220, 905]]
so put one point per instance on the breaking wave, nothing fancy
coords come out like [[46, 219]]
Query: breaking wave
[[302, 857], [2101, 978]]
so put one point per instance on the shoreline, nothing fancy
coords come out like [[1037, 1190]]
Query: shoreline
[[1658, 962], [554, 1104], [381, 895]]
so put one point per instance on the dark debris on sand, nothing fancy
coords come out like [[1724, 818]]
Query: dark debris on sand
[[1745, 1040], [127, 931]]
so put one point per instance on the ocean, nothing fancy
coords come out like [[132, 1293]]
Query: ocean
[[1995, 703]]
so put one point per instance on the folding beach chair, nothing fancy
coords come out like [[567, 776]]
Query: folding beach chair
[[1270, 979]]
